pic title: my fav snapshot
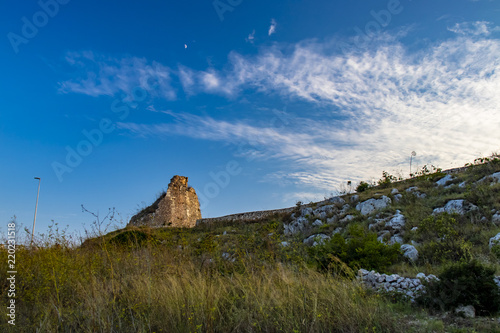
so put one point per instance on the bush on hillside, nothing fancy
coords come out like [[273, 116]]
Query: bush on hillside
[[483, 195], [466, 283], [363, 186], [360, 250], [441, 241], [387, 179], [131, 238]]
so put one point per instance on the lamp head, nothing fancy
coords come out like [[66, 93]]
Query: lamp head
[[37, 178]]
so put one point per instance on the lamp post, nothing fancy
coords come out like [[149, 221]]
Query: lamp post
[[413, 154], [36, 207]]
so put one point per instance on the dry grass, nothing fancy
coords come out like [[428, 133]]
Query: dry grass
[[158, 289]]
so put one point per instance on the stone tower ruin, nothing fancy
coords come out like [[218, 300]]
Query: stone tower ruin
[[178, 207]]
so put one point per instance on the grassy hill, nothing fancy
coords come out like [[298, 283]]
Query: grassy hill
[[262, 277]]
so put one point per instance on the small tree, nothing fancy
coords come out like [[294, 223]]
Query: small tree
[[363, 186], [386, 179]]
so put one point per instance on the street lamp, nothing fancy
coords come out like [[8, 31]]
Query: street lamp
[[413, 154], [36, 207]]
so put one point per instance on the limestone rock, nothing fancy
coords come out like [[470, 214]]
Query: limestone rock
[[317, 223], [460, 207], [306, 211], [337, 201], [337, 230], [347, 219], [397, 221], [355, 199], [466, 311], [494, 240], [178, 207], [414, 190], [324, 211], [494, 178], [296, 226], [444, 180], [369, 206], [345, 209], [396, 239], [332, 220], [496, 218], [315, 240], [410, 252], [381, 235]]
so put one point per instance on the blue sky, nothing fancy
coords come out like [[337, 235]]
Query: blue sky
[[259, 103]]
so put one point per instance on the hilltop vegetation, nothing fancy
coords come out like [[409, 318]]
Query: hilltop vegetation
[[289, 273]]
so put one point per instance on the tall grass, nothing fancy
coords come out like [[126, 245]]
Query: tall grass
[[154, 288]]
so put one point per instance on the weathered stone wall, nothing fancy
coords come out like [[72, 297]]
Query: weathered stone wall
[[178, 207], [246, 217]]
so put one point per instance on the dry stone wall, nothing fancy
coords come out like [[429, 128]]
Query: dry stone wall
[[248, 217]]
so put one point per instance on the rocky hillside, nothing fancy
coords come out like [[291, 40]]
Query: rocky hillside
[[411, 240], [469, 200]]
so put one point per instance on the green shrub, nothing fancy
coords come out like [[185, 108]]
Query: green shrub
[[441, 240], [386, 179], [131, 238], [466, 283], [363, 186], [495, 249], [483, 195], [360, 250]]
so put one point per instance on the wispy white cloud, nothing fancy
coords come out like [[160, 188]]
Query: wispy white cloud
[[478, 28], [272, 27], [384, 100], [251, 37], [442, 101], [101, 75]]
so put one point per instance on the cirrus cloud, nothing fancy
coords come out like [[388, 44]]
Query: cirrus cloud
[[366, 109]]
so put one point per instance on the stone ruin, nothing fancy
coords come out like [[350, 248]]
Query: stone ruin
[[178, 207]]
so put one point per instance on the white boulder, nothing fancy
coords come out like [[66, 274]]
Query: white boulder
[[496, 218], [495, 178], [347, 219], [323, 211], [354, 198], [332, 220], [494, 240], [317, 223], [397, 221], [295, 226], [315, 240], [444, 180], [306, 211], [466, 311], [410, 252], [337, 201], [369, 206], [460, 207], [396, 239]]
